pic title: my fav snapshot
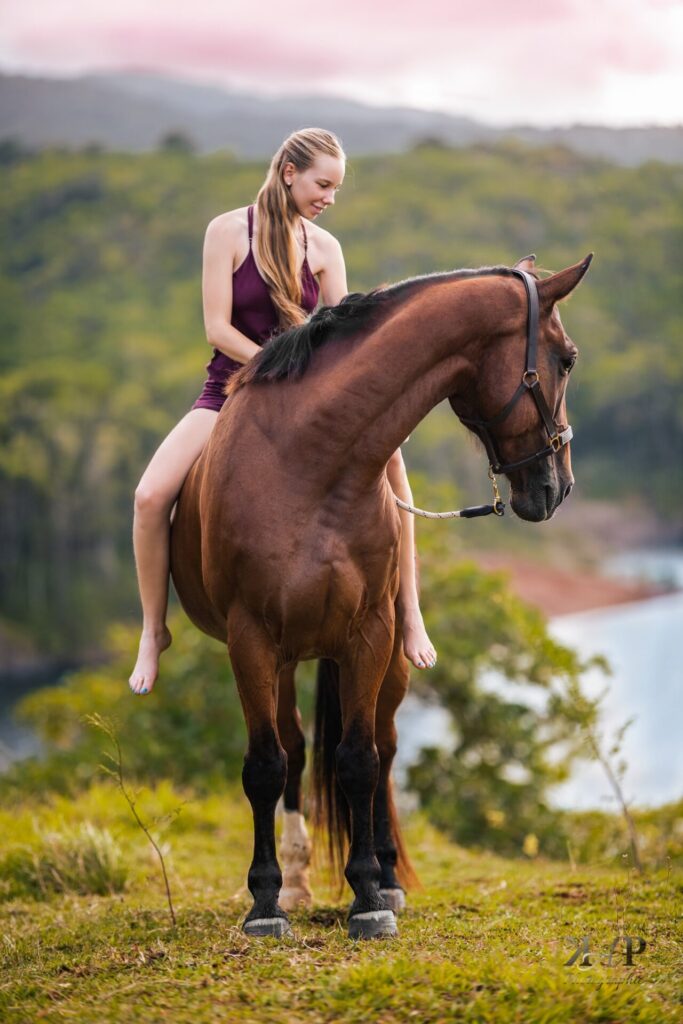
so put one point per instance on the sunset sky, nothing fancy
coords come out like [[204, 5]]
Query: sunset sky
[[542, 61]]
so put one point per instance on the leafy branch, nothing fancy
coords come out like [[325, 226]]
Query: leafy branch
[[585, 712], [116, 773]]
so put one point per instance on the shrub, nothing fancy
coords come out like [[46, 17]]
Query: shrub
[[189, 729], [83, 861]]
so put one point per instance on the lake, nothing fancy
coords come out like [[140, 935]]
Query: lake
[[642, 641]]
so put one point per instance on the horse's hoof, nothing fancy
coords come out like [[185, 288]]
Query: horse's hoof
[[292, 899], [264, 926], [374, 924], [395, 899]]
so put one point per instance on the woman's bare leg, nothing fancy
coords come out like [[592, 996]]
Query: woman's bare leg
[[416, 644], [154, 498]]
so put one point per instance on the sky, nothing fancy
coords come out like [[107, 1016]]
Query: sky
[[544, 62]]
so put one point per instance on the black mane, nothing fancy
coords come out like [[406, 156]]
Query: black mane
[[289, 353]]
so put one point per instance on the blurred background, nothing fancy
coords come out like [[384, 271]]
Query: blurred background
[[473, 138]]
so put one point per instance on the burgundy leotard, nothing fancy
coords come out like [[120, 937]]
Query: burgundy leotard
[[254, 314]]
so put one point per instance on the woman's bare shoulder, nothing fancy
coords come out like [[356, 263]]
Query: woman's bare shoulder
[[324, 241], [228, 225]]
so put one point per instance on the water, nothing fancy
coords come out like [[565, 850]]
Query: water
[[642, 641], [663, 565], [16, 740]]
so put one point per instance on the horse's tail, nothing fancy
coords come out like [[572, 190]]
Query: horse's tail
[[331, 810], [405, 872]]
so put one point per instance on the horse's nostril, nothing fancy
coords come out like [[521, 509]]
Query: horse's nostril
[[549, 499], [567, 490]]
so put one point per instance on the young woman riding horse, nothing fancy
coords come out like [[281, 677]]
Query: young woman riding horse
[[260, 267], [286, 538]]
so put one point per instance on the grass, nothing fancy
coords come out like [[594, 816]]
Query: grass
[[485, 940], [83, 861]]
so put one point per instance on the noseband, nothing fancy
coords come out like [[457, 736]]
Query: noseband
[[530, 383]]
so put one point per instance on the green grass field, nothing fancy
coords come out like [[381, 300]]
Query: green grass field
[[486, 939]]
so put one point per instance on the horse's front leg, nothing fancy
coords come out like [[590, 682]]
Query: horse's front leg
[[357, 764], [265, 766], [295, 845]]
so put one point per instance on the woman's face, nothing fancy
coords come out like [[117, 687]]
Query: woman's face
[[314, 189]]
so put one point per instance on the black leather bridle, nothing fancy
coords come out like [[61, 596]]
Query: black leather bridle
[[530, 383]]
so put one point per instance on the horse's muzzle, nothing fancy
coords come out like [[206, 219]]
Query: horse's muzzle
[[539, 495]]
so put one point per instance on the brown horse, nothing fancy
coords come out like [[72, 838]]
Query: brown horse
[[285, 540]]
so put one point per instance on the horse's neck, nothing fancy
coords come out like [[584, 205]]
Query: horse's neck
[[370, 394]]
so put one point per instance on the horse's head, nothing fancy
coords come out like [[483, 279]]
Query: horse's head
[[516, 401]]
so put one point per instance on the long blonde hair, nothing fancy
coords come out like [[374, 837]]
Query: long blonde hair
[[277, 215]]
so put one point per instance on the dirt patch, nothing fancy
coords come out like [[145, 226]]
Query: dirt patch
[[561, 591]]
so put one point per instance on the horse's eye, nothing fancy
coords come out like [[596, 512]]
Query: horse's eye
[[567, 364]]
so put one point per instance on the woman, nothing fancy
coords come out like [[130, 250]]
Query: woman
[[260, 265]]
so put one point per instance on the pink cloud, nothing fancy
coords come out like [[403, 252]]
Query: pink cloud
[[548, 48], [166, 46], [259, 54]]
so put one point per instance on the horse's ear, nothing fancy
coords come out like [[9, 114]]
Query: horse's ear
[[526, 262], [556, 287]]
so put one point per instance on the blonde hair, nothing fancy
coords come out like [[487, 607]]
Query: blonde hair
[[277, 215]]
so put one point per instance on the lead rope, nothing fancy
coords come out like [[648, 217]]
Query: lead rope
[[473, 512]]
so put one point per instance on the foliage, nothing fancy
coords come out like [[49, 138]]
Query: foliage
[[511, 691], [598, 837], [176, 142], [84, 860], [102, 342], [114, 768], [486, 940], [190, 728]]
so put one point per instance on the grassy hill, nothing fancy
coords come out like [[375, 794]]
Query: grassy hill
[[485, 940]]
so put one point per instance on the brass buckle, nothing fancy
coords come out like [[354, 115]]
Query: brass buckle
[[526, 378], [556, 442], [498, 503]]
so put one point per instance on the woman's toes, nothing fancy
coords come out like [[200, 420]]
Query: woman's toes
[[146, 669], [417, 646], [145, 672], [138, 690]]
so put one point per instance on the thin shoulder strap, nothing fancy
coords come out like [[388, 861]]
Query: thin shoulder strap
[[250, 218], [305, 238]]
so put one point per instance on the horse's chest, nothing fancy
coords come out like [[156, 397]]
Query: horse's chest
[[320, 583]]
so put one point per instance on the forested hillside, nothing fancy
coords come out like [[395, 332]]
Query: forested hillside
[[102, 344]]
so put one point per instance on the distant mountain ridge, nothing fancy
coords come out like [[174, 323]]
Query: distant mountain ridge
[[134, 111]]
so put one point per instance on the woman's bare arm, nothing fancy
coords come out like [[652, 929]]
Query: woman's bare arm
[[332, 275], [217, 263]]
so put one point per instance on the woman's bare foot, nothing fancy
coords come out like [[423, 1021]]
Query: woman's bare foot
[[416, 644], [146, 668]]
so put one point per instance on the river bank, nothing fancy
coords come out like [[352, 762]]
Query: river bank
[[560, 591]]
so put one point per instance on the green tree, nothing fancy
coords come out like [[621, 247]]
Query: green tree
[[190, 729], [511, 691], [176, 142]]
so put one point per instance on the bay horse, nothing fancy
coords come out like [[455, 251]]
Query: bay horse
[[286, 535]]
